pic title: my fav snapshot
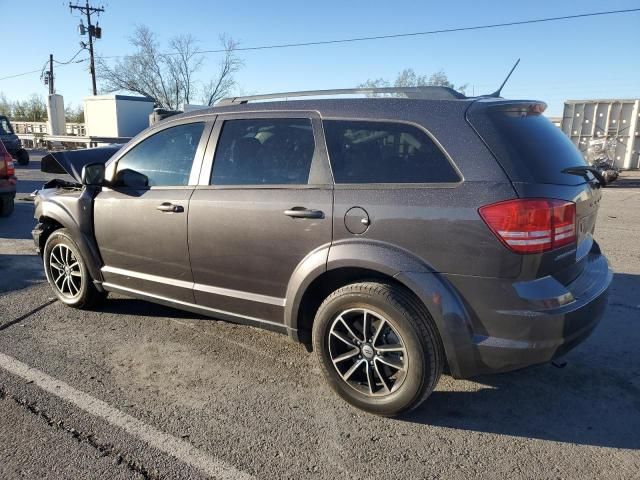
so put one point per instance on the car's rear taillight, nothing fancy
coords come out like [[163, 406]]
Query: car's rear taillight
[[8, 161], [6, 165], [532, 225]]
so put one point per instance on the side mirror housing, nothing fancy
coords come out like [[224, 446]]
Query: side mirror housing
[[131, 178], [93, 174]]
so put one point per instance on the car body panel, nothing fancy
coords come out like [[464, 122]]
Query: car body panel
[[243, 247], [142, 247]]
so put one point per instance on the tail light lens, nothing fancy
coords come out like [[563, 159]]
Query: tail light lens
[[6, 165], [532, 225]]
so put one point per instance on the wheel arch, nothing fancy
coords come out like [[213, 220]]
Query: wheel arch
[[356, 261], [51, 217]]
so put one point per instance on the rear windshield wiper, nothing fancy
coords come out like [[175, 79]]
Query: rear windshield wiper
[[582, 171]]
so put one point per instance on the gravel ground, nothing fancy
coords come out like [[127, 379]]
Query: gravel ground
[[256, 403]]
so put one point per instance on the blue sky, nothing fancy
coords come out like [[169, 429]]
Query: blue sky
[[586, 58]]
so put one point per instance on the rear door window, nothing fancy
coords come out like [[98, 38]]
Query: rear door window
[[385, 152], [166, 157], [264, 152]]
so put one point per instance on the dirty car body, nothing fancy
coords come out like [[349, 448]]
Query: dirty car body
[[440, 225]]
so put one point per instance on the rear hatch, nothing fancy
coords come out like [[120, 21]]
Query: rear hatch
[[533, 153]]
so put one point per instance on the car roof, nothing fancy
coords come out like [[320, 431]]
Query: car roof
[[334, 108]]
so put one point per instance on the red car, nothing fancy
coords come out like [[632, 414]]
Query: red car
[[7, 182]]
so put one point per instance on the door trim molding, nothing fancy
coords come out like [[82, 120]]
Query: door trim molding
[[225, 292]]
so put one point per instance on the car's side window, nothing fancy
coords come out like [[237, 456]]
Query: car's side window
[[385, 152], [264, 152], [165, 157], [5, 127]]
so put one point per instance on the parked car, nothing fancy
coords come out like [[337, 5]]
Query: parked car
[[396, 237], [12, 142], [7, 182]]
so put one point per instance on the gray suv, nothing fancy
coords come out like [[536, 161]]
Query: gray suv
[[396, 237]]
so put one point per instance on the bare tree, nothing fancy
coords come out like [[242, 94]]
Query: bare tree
[[167, 77], [185, 63], [409, 78], [5, 105], [74, 114], [221, 85]]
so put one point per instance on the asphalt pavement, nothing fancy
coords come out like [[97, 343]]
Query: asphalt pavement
[[136, 390]]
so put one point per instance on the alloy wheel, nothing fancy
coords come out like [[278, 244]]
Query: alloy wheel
[[64, 270], [368, 352]]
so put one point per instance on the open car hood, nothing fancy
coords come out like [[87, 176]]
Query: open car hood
[[72, 161]]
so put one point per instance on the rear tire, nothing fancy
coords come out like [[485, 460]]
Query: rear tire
[[67, 272], [390, 358], [22, 157], [7, 205]]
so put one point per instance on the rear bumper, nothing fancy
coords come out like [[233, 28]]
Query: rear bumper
[[544, 320], [491, 325]]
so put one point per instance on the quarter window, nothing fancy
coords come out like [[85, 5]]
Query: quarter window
[[166, 157], [385, 152], [264, 152]]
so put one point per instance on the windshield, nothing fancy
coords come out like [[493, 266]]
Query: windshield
[[5, 126]]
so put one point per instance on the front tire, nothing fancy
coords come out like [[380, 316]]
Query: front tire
[[67, 272], [378, 347]]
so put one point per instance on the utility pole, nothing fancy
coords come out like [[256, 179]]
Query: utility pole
[[92, 31], [50, 75]]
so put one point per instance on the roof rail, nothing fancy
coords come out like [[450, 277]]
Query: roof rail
[[426, 93]]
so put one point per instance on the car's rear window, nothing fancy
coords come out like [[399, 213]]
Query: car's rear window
[[385, 152], [529, 147]]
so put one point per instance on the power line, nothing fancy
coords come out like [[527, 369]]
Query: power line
[[73, 58], [396, 35], [428, 32], [20, 74]]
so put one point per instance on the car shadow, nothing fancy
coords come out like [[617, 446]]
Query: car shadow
[[593, 400], [19, 224], [19, 271], [133, 306], [625, 182]]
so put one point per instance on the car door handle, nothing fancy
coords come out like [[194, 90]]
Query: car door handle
[[170, 208], [302, 212]]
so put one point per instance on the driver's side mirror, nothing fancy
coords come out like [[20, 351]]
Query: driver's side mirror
[[93, 174], [131, 178]]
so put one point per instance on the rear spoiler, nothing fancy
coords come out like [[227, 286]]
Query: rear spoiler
[[72, 161], [525, 107]]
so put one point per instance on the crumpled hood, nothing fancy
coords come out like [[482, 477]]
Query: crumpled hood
[[72, 161]]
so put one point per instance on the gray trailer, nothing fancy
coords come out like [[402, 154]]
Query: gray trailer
[[587, 120]]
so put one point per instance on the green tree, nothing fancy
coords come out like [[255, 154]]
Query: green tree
[[34, 109]]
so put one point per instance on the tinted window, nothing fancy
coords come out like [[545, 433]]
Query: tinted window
[[264, 152], [167, 156], [5, 126], [529, 146], [384, 152]]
